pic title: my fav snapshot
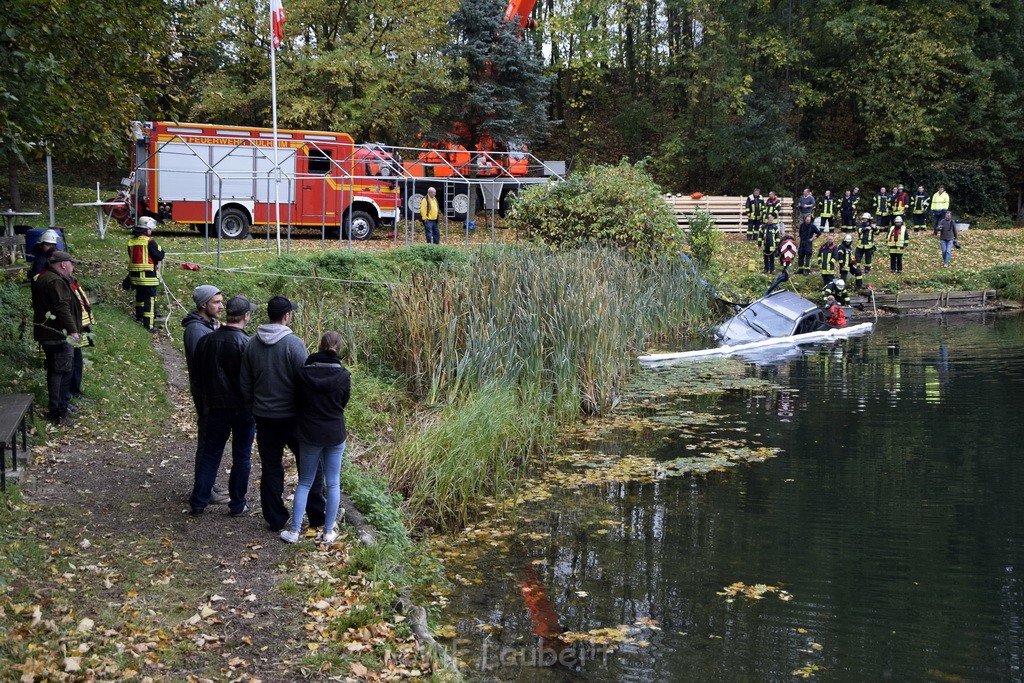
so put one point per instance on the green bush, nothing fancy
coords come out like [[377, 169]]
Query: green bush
[[703, 237], [614, 206], [1007, 279]]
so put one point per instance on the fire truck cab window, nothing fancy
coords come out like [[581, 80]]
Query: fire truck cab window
[[319, 162]]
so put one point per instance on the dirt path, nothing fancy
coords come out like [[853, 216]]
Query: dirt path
[[122, 503]]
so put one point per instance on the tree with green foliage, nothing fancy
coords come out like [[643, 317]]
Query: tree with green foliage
[[504, 90], [74, 74], [616, 206], [359, 67]]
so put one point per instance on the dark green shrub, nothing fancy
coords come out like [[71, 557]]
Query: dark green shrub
[[703, 237], [614, 206], [1007, 279]]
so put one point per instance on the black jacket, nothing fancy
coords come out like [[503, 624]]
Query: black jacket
[[808, 231], [322, 390], [57, 310], [218, 364]]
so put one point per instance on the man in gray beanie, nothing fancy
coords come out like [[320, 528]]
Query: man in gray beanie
[[199, 323]]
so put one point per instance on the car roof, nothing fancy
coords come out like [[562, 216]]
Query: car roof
[[787, 303]]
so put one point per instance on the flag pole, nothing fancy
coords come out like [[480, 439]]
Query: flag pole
[[274, 42]]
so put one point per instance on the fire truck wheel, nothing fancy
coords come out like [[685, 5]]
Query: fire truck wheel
[[460, 206], [362, 225], [234, 224]]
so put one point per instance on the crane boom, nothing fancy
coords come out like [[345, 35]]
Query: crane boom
[[519, 11]]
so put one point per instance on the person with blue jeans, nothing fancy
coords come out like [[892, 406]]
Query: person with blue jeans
[[218, 362], [429, 214], [323, 386], [947, 233]]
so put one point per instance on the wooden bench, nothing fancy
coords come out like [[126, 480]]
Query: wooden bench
[[727, 210], [11, 250], [15, 411]]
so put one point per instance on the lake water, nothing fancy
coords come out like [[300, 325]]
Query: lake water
[[886, 536]]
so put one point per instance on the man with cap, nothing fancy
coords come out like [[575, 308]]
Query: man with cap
[[269, 367], [218, 364], [57, 320], [144, 255], [197, 324]]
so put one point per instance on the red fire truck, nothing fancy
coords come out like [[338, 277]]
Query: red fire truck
[[231, 177]]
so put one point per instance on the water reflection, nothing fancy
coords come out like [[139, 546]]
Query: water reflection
[[894, 518]]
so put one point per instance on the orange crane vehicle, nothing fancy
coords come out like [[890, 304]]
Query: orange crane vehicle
[[494, 174]]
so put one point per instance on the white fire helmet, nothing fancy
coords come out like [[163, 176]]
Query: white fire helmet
[[899, 220], [49, 237], [865, 216], [848, 239], [147, 223], [840, 284]]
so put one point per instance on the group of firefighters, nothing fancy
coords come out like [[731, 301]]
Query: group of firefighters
[[894, 214]]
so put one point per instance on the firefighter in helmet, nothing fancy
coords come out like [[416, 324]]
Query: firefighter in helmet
[[837, 288], [865, 241], [46, 245], [896, 239], [144, 257]]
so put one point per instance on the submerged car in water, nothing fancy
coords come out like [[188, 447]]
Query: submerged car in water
[[779, 314]]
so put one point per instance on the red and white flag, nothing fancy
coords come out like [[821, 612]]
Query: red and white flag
[[276, 23]]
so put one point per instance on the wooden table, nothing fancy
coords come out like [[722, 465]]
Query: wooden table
[[15, 410]]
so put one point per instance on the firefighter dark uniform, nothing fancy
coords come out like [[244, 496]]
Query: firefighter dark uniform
[[897, 242], [772, 207], [808, 231], [919, 211], [828, 212], [865, 243], [85, 338], [770, 246], [754, 208], [144, 255], [827, 262], [848, 263], [847, 211], [836, 288], [883, 210]]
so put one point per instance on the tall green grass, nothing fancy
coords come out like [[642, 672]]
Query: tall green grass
[[561, 326], [470, 451]]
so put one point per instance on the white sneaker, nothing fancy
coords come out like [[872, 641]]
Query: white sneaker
[[290, 536], [329, 536]]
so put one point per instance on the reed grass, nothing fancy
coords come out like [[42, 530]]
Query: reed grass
[[524, 340], [559, 325]]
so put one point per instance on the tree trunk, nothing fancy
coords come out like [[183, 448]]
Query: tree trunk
[[12, 182]]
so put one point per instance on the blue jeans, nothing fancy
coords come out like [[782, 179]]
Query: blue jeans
[[432, 232], [220, 424], [329, 458], [947, 250]]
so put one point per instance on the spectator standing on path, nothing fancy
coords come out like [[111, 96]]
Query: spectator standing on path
[[429, 214], [324, 386], [808, 231], [807, 204], [939, 205], [57, 319], [270, 365], [144, 256], [919, 208], [947, 232], [219, 364], [198, 323]]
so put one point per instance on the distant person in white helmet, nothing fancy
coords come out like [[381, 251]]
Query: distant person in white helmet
[[144, 257], [41, 252]]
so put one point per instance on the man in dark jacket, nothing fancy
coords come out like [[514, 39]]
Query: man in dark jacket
[[269, 366], [808, 231], [57, 318], [197, 324], [218, 360]]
